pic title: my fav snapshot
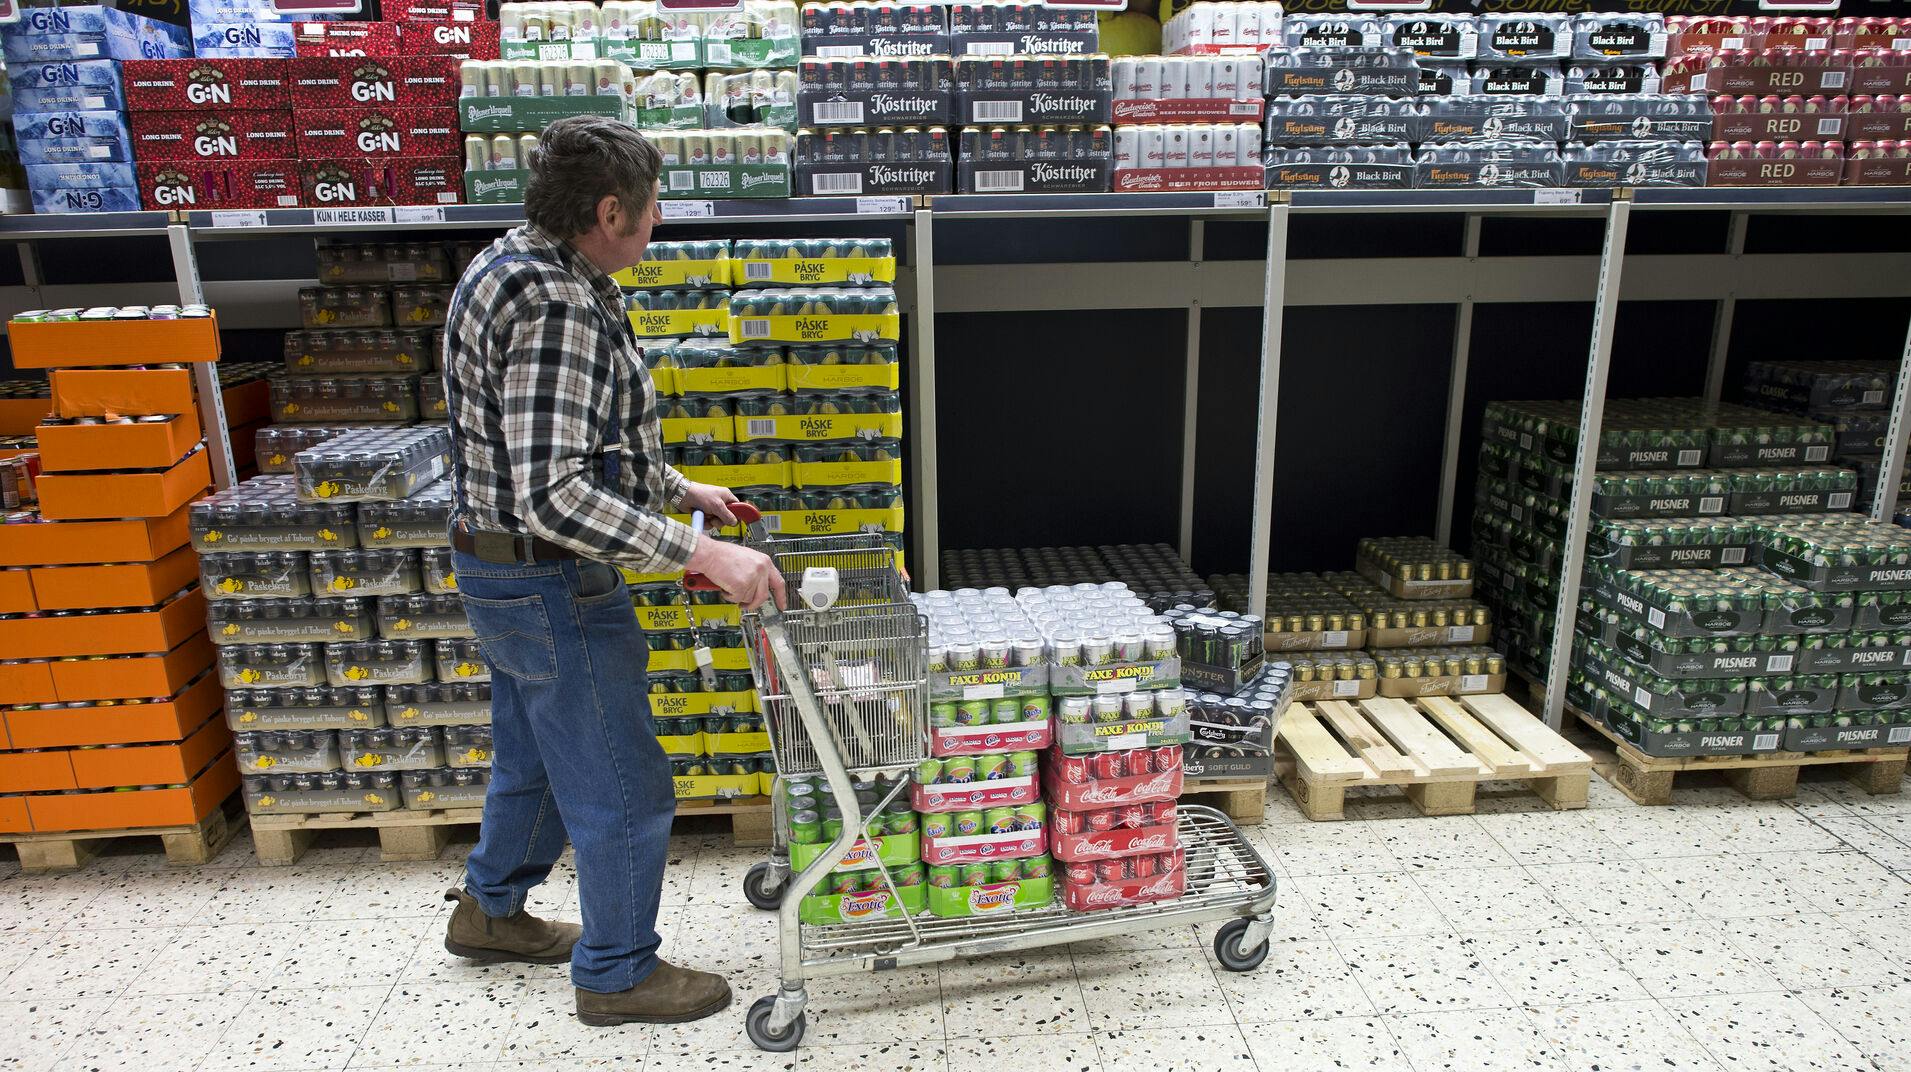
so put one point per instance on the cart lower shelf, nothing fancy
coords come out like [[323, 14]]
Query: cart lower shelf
[[1226, 880]]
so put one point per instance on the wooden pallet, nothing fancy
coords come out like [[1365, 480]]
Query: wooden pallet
[[1437, 749], [1767, 776], [1242, 799], [406, 835], [70, 850]]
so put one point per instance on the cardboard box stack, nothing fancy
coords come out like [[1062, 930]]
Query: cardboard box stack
[[111, 703], [69, 101]]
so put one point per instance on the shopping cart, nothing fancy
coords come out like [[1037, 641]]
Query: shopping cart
[[842, 677]]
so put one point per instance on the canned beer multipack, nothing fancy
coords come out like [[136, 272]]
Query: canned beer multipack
[[1070, 159], [1187, 156], [1233, 736], [915, 91], [1186, 89], [885, 160]]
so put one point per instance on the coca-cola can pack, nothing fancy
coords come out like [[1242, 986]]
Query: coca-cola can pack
[[347, 38], [1120, 831], [465, 40], [184, 85], [219, 134], [1129, 880]]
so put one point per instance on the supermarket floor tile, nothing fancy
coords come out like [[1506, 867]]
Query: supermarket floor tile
[[214, 960], [1056, 1052], [40, 1032], [289, 1030], [1812, 951], [1217, 1048], [1876, 1020], [1555, 967], [1724, 887], [1684, 959], [1150, 989], [1420, 973], [1479, 1040], [146, 1032], [1765, 1033], [1004, 996], [1550, 837], [438, 1023], [1490, 899], [1302, 981], [1371, 906], [1323, 1045], [1882, 838], [1620, 1035], [1455, 842]]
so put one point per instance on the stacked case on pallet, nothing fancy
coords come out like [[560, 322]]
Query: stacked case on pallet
[[112, 717], [1854, 397], [70, 101]]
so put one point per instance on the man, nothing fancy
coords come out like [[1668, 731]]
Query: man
[[558, 475]]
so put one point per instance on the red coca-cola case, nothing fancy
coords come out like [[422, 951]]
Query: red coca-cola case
[[347, 38], [392, 81], [996, 737], [1111, 844], [177, 85], [1138, 776], [207, 184], [465, 40], [376, 132], [1084, 887], [221, 134]]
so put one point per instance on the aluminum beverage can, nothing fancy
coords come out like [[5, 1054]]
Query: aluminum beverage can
[[1137, 705], [1004, 870], [504, 152], [1036, 867], [901, 822], [1072, 769], [1005, 711], [1106, 708], [1201, 152], [1226, 145], [908, 875], [1127, 148], [958, 770], [1147, 78], [1154, 155], [1144, 866], [1138, 761], [1134, 816], [1174, 78], [1247, 23], [806, 828], [966, 824], [945, 876], [1031, 816], [1022, 764], [1101, 819], [1165, 758], [998, 821], [942, 715], [1109, 871], [1227, 20], [1248, 152], [974, 874], [1230, 81], [1124, 78], [841, 882], [471, 79], [1075, 710], [991, 768], [936, 826], [1174, 149], [1034, 708], [929, 771], [1201, 78], [1070, 822], [477, 153], [1079, 874], [973, 713], [1166, 812], [869, 881], [1201, 19], [1106, 765]]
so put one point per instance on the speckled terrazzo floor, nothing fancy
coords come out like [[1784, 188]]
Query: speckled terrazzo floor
[[1715, 934]]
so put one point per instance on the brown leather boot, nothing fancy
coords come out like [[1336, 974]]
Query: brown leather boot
[[669, 995], [519, 939]]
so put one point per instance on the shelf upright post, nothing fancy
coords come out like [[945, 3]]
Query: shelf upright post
[[1456, 389], [205, 374], [1592, 412], [1722, 318], [1891, 467], [1191, 390], [925, 562], [1273, 303]]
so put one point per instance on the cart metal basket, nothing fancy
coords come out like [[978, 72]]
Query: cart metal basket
[[844, 691]]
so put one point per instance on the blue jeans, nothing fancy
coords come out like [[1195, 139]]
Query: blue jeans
[[574, 752]]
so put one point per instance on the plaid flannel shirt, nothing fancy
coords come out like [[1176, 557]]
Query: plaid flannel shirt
[[539, 365]]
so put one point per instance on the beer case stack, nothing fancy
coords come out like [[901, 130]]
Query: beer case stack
[[1188, 123], [985, 828], [853, 142], [70, 101], [721, 135], [111, 701], [1852, 396]]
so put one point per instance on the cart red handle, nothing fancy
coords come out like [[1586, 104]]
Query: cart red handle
[[745, 515]]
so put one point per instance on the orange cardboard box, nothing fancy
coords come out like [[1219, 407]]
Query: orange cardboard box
[[247, 403], [120, 723], [67, 448], [16, 592], [90, 344], [13, 816], [27, 682], [159, 628], [131, 677], [20, 416], [121, 392], [136, 810], [155, 764], [86, 496], [141, 539], [35, 772], [126, 584], [6, 740]]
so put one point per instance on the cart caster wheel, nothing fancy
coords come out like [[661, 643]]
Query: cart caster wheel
[[756, 1024], [1228, 949], [764, 889]]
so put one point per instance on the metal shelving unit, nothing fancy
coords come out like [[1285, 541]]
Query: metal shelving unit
[[1472, 279]]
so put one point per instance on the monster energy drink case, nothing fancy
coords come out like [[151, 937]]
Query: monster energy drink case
[[1386, 71]]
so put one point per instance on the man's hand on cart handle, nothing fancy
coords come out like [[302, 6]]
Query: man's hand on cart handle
[[710, 499], [745, 576]]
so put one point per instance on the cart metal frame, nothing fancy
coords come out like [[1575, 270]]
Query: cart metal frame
[[1227, 879]]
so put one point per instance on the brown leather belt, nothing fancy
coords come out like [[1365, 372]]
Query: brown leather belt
[[505, 549]]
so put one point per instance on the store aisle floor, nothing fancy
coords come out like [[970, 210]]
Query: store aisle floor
[[1514, 939]]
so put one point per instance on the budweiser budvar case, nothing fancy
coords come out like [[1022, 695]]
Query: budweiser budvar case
[[208, 184], [183, 85], [213, 134], [377, 132]]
